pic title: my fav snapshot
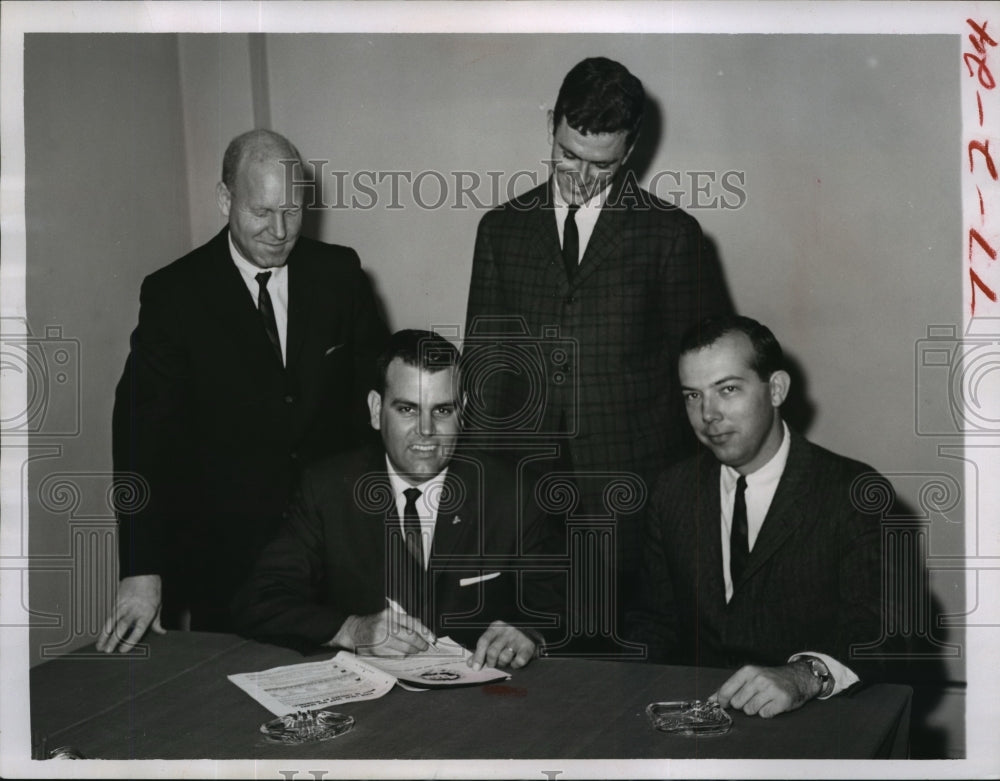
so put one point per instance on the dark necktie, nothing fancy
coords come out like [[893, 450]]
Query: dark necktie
[[739, 540], [571, 242], [411, 588], [267, 312], [411, 525]]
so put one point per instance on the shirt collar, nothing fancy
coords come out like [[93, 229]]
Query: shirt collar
[[248, 269], [432, 487], [772, 470]]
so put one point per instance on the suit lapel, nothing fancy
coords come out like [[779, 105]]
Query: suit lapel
[[300, 304], [545, 245], [784, 515], [458, 511], [227, 297], [708, 542], [605, 241]]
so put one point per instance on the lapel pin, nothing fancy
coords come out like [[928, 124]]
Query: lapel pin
[[456, 519]]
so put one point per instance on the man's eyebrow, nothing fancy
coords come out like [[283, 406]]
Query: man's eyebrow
[[401, 402], [730, 378]]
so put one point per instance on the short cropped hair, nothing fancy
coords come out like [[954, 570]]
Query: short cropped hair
[[601, 96], [767, 354], [256, 144], [426, 350]]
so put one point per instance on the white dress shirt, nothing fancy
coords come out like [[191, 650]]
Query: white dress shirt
[[427, 504], [586, 217], [759, 493], [277, 288]]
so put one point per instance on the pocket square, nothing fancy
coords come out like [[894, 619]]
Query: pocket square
[[332, 349], [478, 579]]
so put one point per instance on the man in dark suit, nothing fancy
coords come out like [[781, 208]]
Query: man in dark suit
[[762, 556], [251, 356], [605, 277], [384, 549]]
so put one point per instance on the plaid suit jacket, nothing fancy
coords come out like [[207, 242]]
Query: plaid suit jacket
[[606, 341], [812, 582]]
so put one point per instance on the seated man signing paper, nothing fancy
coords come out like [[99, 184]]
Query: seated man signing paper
[[755, 553], [383, 550]]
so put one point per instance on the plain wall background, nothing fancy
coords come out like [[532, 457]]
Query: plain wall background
[[847, 245]]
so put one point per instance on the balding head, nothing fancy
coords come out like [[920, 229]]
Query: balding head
[[255, 145], [257, 196]]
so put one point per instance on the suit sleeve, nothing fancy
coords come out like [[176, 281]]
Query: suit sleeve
[[370, 336], [653, 622], [280, 601], [484, 287], [543, 585], [864, 612], [149, 432], [692, 287]]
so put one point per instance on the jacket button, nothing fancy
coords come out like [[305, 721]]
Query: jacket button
[[294, 455], [289, 399], [569, 300]]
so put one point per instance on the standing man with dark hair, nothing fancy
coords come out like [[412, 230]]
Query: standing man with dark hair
[[608, 269], [251, 356], [760, 557]]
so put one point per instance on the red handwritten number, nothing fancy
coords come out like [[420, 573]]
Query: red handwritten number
[[982, 36], [974, 234], [985, 77], [987, 291], [980, 39], [979, 146]]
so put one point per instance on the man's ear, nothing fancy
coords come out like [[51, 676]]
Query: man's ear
[[631, 149], [224, 198], [375, 409], [778, 386]]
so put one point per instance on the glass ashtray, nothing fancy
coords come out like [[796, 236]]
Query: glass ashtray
[[301, 727], [690, 718]]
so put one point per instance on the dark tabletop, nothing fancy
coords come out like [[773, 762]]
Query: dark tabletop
[[173, 701]]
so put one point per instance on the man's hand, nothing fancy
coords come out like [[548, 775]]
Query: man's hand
[[502, 645], [137, 607], [768, 691], [389, 633]]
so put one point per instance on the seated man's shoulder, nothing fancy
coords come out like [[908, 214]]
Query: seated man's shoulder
[[684, 477], [836, 481], [344, 469], [828, 465]]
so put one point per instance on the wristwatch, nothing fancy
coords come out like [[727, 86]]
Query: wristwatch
[[818, 669]]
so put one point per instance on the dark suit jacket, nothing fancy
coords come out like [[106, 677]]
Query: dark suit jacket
[[328, 561], [643, 278], [812, 582], [207, 415]]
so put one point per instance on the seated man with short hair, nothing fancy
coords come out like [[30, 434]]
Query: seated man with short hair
[[384, 549], [758, 556]]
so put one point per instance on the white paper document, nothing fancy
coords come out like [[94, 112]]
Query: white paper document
[[314, 685], [441, 665], [346, 678]]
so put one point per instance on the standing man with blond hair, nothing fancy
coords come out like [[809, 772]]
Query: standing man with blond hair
[[251, 357]]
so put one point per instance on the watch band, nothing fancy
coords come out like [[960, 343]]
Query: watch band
[[818, 669]]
